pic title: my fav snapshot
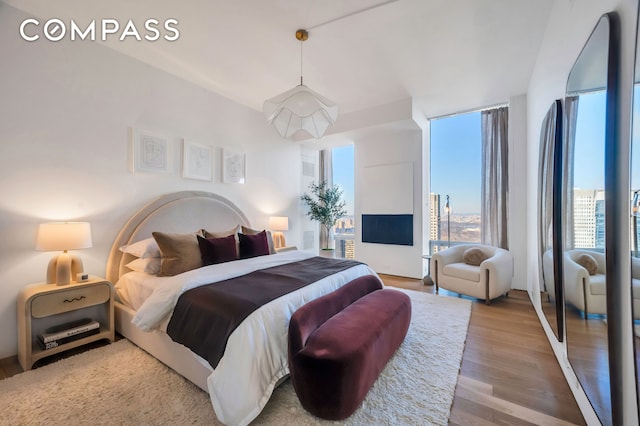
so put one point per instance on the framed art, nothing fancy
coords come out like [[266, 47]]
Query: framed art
[[233, 166], [197, 161], [151, 152]]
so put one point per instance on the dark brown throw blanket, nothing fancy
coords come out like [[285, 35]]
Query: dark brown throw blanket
[[205, 317]]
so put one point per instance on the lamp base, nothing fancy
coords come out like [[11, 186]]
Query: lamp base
[[62, 267], [427, 280], [278, 239]]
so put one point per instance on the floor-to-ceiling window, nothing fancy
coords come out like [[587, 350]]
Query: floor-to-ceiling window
[[342, 169], [455, 176], [588, 179]]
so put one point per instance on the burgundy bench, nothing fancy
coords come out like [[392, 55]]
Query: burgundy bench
[[339, 344]]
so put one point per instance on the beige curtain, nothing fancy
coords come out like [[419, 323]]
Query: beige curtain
[[495, 177], [568, 149], [326, 174]]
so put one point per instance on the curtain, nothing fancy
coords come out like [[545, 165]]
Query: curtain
[[495, 177], [568, 149], [326, 174]]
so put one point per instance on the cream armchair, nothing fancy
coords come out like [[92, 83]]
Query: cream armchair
[[492, 278], [588, 293]]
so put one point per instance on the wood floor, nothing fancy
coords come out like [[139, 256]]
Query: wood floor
[[508, 375]]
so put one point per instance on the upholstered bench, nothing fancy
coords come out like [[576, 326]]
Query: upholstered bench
[[339, 344]]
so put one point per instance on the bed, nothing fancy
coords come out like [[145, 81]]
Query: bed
[[255, 359]]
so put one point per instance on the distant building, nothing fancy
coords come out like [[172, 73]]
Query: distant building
[[588, 218], [344, 230], [345, 248]]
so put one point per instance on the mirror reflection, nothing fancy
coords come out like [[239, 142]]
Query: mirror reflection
[[550, 142], [584, 266], [635, 212]]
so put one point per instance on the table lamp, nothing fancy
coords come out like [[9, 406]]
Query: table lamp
[[278, 224], [56, 236]]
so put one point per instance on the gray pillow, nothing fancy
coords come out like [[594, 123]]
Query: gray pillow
[[180, 253], [219, 234], [588, 262], [474, 256]]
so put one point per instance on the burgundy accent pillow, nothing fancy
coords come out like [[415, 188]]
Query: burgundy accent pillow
[[253, 245], [217, 250]]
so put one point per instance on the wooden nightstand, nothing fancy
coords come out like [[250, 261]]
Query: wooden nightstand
[[286, 248], [41, 306]]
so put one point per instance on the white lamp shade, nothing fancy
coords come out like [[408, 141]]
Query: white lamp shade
[[279, 223], [64, 236], [300, 109]]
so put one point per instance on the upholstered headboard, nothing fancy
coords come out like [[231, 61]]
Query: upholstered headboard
[[182, 212]]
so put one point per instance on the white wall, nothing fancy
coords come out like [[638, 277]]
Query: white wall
[[518, 224], [570, 25], [390, 147], [65, 109]]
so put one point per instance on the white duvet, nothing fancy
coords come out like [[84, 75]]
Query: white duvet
[[255, 358]]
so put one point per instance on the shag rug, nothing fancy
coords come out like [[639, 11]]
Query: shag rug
[[120, 384]]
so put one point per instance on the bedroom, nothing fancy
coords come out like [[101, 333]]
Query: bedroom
[[68, 106]]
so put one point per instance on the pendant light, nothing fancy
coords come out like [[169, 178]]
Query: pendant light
[[300, 109]]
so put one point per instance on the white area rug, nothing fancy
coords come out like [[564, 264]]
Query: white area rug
[[121, 384]]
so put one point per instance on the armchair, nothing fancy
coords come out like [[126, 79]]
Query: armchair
[[588, 293], [492, 278]]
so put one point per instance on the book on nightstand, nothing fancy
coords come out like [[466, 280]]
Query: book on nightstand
[[67, 332], [55, 343]]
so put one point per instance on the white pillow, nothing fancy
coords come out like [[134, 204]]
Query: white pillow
[[149, 265], [142, 249]]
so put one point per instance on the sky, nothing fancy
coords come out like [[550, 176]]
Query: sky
[[589, 144], [456, 161], [342, 160]]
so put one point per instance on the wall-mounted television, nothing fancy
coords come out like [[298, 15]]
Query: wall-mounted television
[[388, 229]]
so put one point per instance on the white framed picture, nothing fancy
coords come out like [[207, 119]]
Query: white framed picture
[[233, 166], [151, 152], [197, 161]]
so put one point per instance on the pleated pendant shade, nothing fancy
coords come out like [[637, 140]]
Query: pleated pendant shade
[[300, 109]]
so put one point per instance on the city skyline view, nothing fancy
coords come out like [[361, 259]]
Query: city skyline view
[[455, 170]]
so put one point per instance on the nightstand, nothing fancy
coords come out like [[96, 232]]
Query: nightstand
[[286, 248], [42, 306]]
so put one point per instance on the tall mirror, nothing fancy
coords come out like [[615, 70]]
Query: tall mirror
[[589, 111], [549, 178], [634, 211]]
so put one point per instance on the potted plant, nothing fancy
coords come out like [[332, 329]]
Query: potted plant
[[325, 206]]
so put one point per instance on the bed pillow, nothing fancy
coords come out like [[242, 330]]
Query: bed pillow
[[588, 262], [253, 245], [474, 256], [144, 249], [219, 234], [180, 253], [149, 265], [218, 250], [249, 231]]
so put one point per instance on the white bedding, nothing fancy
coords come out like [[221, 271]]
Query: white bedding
[[255, 358]]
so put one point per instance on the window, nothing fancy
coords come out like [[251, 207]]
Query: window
[[342, 162], [588, 172], [455, 175]]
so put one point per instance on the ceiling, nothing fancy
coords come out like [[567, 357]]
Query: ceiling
[[448, 55]]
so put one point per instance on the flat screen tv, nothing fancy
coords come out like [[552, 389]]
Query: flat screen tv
[[388, 229]]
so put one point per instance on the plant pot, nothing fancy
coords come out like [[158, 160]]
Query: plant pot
[[327, 253]]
